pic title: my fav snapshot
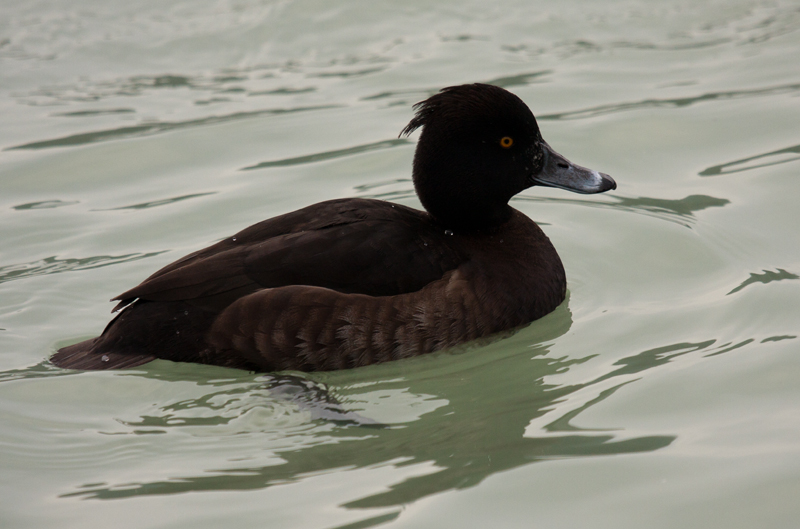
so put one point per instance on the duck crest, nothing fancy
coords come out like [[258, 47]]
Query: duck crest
[[455, 103]]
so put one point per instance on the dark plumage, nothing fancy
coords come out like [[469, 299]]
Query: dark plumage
[[351, 282]]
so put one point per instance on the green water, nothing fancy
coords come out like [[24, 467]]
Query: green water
[[664, 393]]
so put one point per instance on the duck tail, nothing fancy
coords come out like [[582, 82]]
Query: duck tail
[[91, 355]]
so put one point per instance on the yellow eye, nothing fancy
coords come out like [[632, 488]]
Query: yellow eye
[[506, 142]]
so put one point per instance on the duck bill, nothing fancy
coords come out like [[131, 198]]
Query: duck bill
[[563, 174]]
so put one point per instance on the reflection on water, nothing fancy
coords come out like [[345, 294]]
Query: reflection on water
[[55, 265], [163, 202], [76, 103], [328, 155], [767, 277], [735, 166], [147, 129], [464, 439], [522, 79], [466, 436], [394, 189], [674, 210], [45, 204], [40, 370], [601, 110], [412, 95], [350, 73], [779, 338], [683, 207], [234, 401], [383, 183], [681, 211], [754, 29], [98, 112]]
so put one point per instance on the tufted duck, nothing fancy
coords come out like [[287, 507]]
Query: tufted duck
[[351, 282]]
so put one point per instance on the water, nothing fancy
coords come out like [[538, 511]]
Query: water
[[663, 393]]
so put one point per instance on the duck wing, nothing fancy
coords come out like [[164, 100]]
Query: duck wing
[[358, 246]]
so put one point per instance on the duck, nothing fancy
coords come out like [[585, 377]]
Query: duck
[[351, 282]]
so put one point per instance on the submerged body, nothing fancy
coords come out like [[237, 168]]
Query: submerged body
[[352, 282]]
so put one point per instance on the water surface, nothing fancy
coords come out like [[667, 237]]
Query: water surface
[[662, 393]]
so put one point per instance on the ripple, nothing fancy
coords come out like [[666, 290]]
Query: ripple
[[693, 45], [374, 185], [464, 37], [392, 190], [728, 347], [252, 404], [756, 26], [655, 357], [680, 211], [522, 79], [148, 129], [55, 265], [465, 441], [134, 86], [601, 110], [99, 112], [417, 94], [732, 167], [350, 73], [283, 91], [43, 369], [328, 155], [767, 277], [779, 338], [156, 203], [45, 204], [462, 443], [372, 521], [684, 207]]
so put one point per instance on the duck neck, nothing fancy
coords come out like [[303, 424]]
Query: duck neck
[[467, 215]]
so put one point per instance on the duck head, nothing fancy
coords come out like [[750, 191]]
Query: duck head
[[480, 145]]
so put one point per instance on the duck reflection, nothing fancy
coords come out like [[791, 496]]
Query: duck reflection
[[477, 405]]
